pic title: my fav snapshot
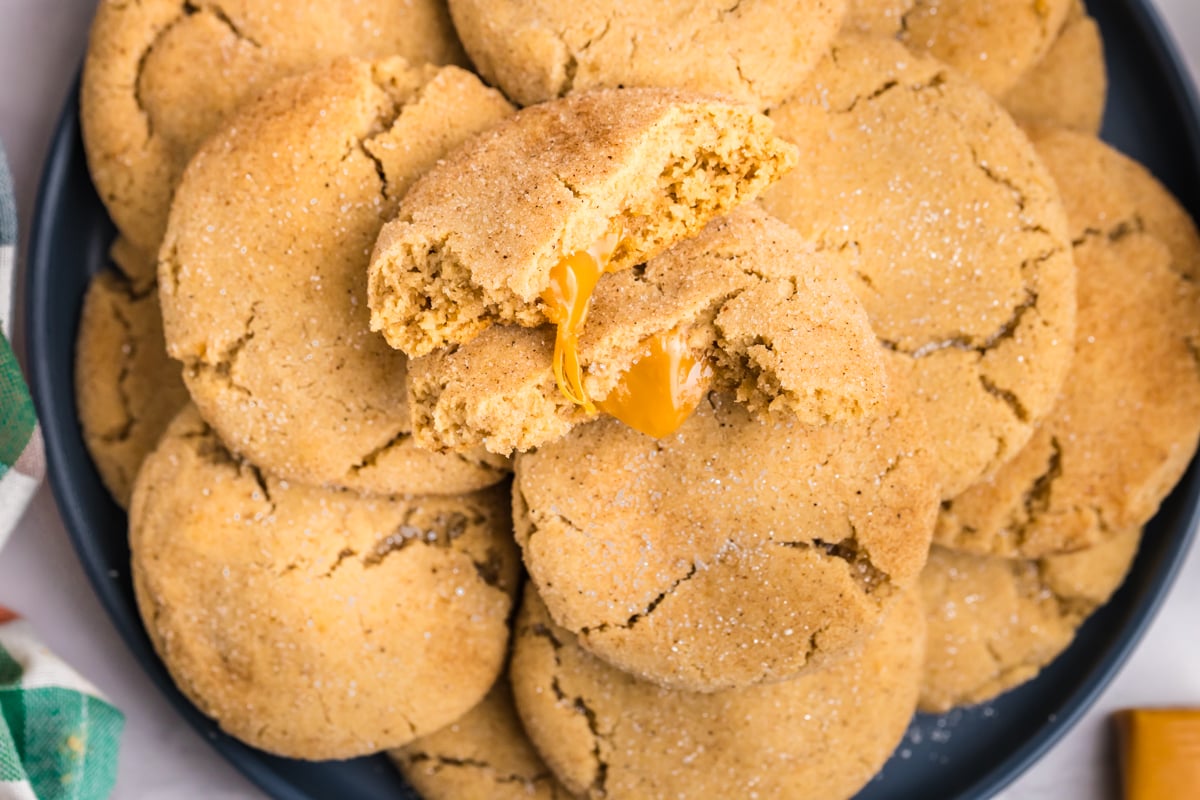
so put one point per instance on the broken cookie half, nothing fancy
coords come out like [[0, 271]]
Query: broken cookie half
[[519, 225], [745, 306]]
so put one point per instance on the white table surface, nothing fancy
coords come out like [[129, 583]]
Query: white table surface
[[41, 42]]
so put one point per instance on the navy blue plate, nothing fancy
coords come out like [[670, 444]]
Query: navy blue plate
[[1152, 116]]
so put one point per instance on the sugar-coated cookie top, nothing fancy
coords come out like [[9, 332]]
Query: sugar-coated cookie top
[[162, 75], [753, 50], [1128, 419], [316, 623], [819, 736], [263, 275]]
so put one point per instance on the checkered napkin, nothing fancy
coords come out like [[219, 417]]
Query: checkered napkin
[[58, 736]]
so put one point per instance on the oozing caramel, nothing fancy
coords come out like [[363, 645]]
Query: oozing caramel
[[662, 388], [567, 300]]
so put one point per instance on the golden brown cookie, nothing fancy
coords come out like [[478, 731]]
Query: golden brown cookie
[[263, 272], [776, 323], [126, 387], [315, 623], [876, 17], [1069, 86], [993, 42], [476, 239], [821, 736], [485, 755], [737, 551], [955, 236], [161, 76], [753, 51], [994, 623], [1128, 420]]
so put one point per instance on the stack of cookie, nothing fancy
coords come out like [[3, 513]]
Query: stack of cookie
[[797, 382]]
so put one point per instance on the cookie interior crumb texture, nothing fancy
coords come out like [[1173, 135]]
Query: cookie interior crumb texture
[[607, 735], [263, 276], [753, 51], [777, 324], [655, 164], [126, 387], [738, 550], [315, 623], [956, 238], [161, 76]]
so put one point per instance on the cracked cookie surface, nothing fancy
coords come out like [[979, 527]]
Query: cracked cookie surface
[[127, 388], [1068, 87], [161, 75], [1127, 422], [484, 755], [737, 550], [778, 325], [994, 623], [753, 51], [993, 42], [822, 735], [317, 623], [954, 236], [656, 164], [263, 278]]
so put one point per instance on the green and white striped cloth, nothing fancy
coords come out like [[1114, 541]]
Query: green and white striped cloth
[[58, 736]]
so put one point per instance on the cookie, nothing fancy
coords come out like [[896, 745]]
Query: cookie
[[161, 76], [955, 238], [993, 42], [1069, 86], [606, 734], [127, 389], [1127, 423], [994, 623], [754, 51], [485, 755], [263, 272], [737, 551], [628, 172], [876, 17], [771, 320], [315, 623]]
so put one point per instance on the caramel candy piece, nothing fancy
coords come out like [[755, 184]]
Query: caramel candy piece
[[1160, 753]]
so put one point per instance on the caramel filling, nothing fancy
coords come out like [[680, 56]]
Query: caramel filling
[[567, 300], [662, 388]]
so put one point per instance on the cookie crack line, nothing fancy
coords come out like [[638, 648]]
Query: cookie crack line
[[1127, 227], [1006, 396], [639, 616], [223, 17], [440, 762], [962, 341], [372, 457], [869, 577], [995, 177], [571, 62], [935, 82]]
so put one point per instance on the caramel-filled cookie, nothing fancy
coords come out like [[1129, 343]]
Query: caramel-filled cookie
[[314, 623], [263, 272], [772, 321], [126, 387], [993, 42], [753, 51], [955, 235], [994, 623], [1127, 421], [738, 550], [613, 177], [162, 75], [484, 755], [818, 737]]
